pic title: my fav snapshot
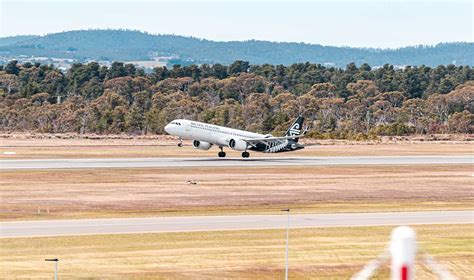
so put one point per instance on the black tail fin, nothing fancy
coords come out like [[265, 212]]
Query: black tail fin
[[296, 128]]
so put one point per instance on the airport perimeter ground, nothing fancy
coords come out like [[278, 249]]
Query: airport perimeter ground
[[319, 253], [140, 192]]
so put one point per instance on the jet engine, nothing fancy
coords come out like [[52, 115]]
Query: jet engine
[[237, 144], [201, 145]]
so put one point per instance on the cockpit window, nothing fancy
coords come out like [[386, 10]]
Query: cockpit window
[[176, 123]]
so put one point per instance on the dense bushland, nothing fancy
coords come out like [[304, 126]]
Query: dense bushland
[[354, 103]]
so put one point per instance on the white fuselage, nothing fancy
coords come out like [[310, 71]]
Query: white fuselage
[[214, 134]]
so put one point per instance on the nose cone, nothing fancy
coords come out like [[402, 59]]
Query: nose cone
[[168, 128]]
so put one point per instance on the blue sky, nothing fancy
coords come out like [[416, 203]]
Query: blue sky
[[338, 23]]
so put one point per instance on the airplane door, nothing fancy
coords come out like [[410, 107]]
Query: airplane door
[[187, 129]]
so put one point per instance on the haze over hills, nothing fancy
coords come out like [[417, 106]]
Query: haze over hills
[[127, 45]]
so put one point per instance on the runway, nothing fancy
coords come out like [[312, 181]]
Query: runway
[[213, 223], [230, 162]]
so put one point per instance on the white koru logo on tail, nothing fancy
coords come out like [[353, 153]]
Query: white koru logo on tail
[[295, 129]]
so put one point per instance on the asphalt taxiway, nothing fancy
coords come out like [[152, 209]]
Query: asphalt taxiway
[[231, 222]]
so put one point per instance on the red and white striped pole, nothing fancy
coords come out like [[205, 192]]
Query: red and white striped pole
[[403, 250]]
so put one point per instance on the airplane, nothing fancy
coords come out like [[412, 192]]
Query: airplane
[[204, 136]]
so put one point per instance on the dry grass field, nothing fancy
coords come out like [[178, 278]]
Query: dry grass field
[[319, 253], [92, 193]]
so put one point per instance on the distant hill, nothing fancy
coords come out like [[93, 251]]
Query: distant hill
[[126, 45], [5, 41]]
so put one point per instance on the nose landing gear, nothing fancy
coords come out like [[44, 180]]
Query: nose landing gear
[[221, 153], [245, 154], [180, 143]]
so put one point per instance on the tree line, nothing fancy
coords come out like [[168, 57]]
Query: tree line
[[351, 103]]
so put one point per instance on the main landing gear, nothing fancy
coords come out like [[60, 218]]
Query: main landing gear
[[221, 153]]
